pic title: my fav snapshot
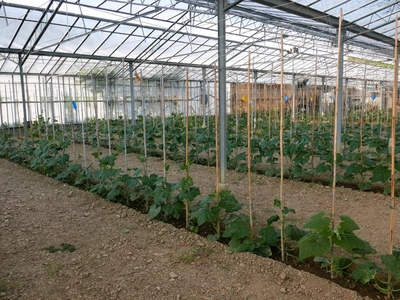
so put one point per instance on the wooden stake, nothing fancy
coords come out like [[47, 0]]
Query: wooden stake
[[335, 133], [362, 107], [281, 158], [125, 116], [249, 131], [313, 116], [393, 138], [144, 121], [163, 123]]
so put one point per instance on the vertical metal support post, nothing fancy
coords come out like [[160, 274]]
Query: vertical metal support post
[[381, 95], [203, 95], [21, 74], [132, 89], [339, 96], [222, 90]]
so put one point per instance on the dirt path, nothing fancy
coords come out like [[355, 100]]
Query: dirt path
[[121, 255]]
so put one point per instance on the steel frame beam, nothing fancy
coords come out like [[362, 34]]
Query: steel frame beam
[[313, 14]]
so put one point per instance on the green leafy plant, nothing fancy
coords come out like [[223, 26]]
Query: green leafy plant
[[165, 200], [63, 248], [215, 209], [318, 242], [386, 279]]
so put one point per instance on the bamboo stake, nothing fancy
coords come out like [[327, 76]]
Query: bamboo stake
[[144, 119], [362, 107], [313, 116], [269, 105], [83, 124], [216, 143], [393, 152], [60, 107], [264, 107], [187, 144], [74, 112], [125, 116], [28, 104], [237, 110], [163, 122], [1, 113], [335, 133], [282, 225], [108, 114], [249, 133], [393, 138], [96, 109]]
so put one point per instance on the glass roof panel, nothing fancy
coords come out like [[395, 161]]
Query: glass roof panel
[[185, 33], [7, 32], [22, 36]]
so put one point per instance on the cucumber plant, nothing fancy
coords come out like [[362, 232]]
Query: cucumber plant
[[318, 243]]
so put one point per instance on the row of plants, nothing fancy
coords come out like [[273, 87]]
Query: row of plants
[[220, 214], [364, 161]]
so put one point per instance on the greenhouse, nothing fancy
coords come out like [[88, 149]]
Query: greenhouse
[[266, 128]]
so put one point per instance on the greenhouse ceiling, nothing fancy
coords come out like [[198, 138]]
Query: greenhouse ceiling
[[89, 37]]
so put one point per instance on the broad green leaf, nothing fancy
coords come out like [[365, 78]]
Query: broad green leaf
[[294, 233], [183, 167], [237, 230], [229, 202], [96, 155], [277, 203], [313, 244], [241, 167], [353, 169], [322, 168], [207, 199], [365, 186], [319, 223], [392, 263], [364, 251], [263, 250], [286, 210], [380, 173], [269, 235], [237, 245], [257, 159], [113, 194], [365, 272], [175, 209], [185, 183], [349, 241], [213, 237], [272, 219], [348, 224], [240, 156], [205, 215], [154, 211]]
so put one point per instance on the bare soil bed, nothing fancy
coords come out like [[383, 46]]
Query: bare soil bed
[[122, 255]]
